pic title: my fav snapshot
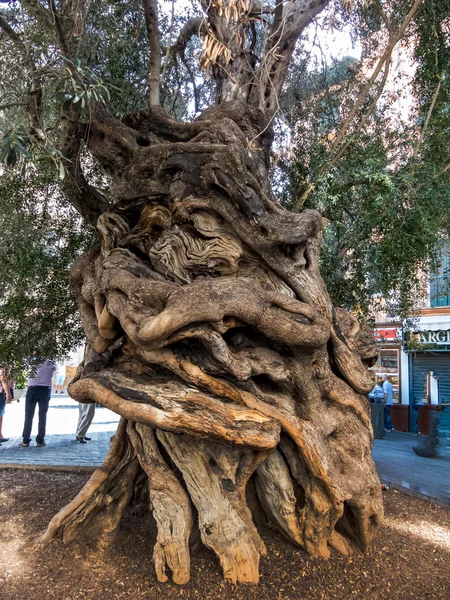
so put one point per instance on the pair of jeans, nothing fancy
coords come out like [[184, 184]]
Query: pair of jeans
[[36, 394], [387, 417]]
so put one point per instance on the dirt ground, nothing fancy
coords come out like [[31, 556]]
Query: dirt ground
[[409, 559]]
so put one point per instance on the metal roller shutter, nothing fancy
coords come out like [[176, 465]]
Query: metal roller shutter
[[439, 363]]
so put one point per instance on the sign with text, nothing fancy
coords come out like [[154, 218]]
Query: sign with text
[[433, 337], [386, 335]]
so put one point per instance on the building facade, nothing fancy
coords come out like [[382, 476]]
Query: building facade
[[417, 361]]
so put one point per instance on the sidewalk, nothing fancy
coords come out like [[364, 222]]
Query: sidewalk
[[400, 467], [397, 464], [62, 450]]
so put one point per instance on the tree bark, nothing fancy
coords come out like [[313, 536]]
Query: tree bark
[[212, 334]]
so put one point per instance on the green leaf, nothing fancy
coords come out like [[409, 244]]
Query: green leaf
[[63, 96], [62, 170]]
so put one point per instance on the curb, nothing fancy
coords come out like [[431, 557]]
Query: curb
[[415, 493], [89, 469], [70, 468]]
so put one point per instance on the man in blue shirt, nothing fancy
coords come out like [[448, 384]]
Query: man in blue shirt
[[388, 392]]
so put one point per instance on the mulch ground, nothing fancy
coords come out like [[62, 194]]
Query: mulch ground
[[409, 559]]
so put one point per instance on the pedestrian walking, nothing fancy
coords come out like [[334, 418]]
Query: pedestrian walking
[[38, 393], [86, 415]]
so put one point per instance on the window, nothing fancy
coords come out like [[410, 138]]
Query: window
[[440, 280], [388, 364]]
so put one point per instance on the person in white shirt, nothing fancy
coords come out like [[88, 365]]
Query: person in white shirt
[[60, 376]]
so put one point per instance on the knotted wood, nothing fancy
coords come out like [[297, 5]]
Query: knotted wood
[[212, 334]]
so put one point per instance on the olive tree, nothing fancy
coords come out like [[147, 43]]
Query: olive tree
[[210, 331]]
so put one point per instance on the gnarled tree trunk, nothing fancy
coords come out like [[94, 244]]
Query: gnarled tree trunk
[[212, 334]]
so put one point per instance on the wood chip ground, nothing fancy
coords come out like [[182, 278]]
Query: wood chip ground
[[409, 559]]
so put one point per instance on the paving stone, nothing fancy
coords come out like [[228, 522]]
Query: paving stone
[[59, 451], [399, 466]]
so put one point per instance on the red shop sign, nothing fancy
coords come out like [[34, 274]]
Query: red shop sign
[[385, 334]]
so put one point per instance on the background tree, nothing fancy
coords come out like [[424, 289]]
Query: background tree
[[210, 329], [383, 188]]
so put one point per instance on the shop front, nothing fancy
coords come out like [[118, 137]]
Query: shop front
[[389, 343], [429, 370]]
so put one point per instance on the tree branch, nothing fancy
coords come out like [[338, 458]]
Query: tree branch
[[366, 116], [290, 20], [87, 200], [428, 117], [169, 43], [336, 152], [37, 10], [151, 23], [195, 26], [217, 22], [14, 37], [59, 28], [386, 56], [34, 103]]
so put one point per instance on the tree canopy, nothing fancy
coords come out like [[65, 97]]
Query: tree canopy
[[367, 145]]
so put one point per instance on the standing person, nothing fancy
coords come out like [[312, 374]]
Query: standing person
[[86, 414], [388, 392], [39, 392], [60, 376], [415, 407], [5, 398]]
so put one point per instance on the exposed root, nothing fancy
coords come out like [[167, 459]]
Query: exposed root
[[170, 505], [98, 508], [216, 476]]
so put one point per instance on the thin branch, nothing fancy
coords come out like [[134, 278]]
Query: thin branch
[[34, 104], [290, 20], [12, 104], [59, 28], [169, 42], [151, 23], [384, 61], [384, 16], [194, 27], [14, 37], [445, 169], [410, 189], [427, 120], [366, 116], [393, 41], [37, 10], [192, 77]]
